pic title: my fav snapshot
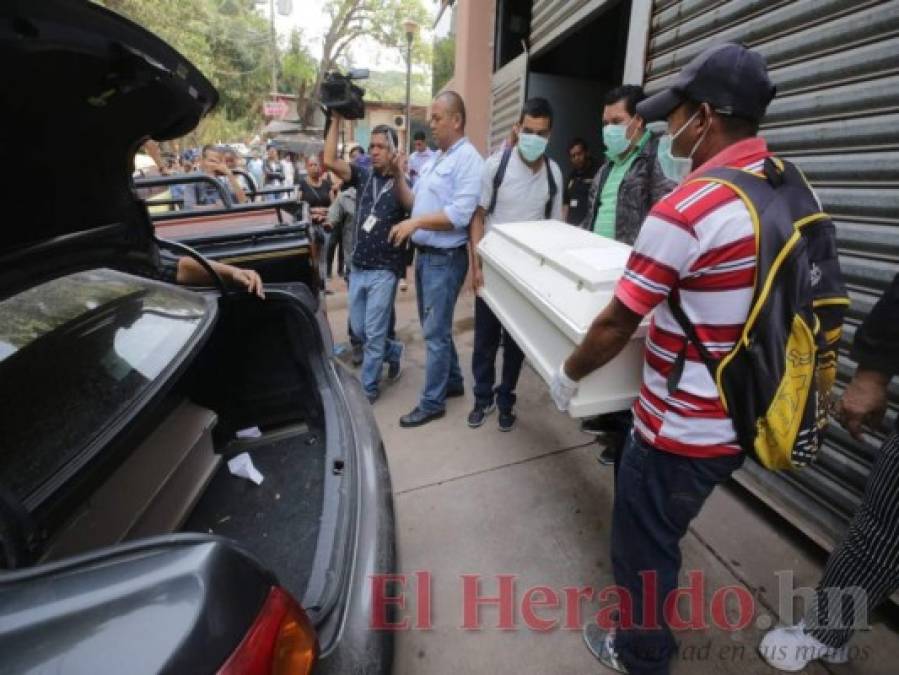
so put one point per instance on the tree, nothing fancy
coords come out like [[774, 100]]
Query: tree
[[444, 64], [390, 85], [380, 20], [227, 40], [298, 66]]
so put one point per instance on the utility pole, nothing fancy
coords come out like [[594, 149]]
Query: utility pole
[[271, 9], [410, 27]]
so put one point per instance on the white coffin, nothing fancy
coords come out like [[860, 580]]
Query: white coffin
[[547, 281]]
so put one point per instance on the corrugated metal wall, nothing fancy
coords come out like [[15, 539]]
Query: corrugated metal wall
[[836, 66], [507, 93], [552, 19]]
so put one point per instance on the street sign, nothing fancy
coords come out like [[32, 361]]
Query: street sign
[[276, 109]]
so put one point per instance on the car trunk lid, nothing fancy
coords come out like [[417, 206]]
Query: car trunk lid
[[90, 87]]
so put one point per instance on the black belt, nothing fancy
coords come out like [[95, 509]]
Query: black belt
[[436, 250]]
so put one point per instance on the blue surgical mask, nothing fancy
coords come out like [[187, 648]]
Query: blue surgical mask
[[677, 168], [531, 146], [615, 138]]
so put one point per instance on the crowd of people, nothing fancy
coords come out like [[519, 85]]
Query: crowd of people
[[669, 185], [658, 188]]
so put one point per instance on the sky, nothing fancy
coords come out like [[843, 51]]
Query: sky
[[310, 17]]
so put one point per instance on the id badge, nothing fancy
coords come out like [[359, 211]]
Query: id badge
[[369, 224]]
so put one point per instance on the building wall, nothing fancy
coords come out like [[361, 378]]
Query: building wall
[[577, 107], [359, 131], [474, 65]]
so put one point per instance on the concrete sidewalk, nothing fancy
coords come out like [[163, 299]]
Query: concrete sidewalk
[[535, 504]]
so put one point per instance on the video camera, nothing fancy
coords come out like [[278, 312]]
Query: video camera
[[339, 94]]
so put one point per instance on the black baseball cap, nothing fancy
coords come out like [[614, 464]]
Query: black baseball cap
[[729, 77]]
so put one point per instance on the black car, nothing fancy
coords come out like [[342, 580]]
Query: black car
[[126, 543]]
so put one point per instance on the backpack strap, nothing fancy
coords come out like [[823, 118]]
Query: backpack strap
[[711, 363], [548, 211], [501, 173], [498, 178], [756, 192]]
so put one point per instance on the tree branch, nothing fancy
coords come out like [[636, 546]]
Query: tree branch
[[338, 49]]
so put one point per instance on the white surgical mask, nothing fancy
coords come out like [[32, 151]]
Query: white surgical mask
[[677, 168], [531, 146], [615, 138]]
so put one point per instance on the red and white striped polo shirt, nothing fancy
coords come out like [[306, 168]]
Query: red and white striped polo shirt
[[700, 241]]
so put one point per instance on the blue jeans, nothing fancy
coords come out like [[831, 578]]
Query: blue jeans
[[372, 293], [488, 335], [657, 494], [323, 255], [439, 275]]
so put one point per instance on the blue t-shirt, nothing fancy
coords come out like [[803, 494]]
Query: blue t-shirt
[[375, 195]]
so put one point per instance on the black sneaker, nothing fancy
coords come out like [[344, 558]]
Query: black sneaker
[[601, 644], [455, 392], [357, 355], [506, 420], [395, 368], [601, 424], [418, 417], [608, 456], [478, 414]]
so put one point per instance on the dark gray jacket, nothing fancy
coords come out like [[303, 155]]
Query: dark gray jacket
[[342, 216], [643, 186]]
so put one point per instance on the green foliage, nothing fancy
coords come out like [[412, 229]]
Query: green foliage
[[227, 40], [390, 86], [298, 66], [378, 20], [444, 64]]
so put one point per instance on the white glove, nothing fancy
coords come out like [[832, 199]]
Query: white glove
[[562, 389]]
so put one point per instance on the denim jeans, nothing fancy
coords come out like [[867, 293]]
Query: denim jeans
[[372, 293], [488, 335], [355, 339], [324, 256], [439, 276], [657, 494]]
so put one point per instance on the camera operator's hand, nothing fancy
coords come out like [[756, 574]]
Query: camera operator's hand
[[397, 167]]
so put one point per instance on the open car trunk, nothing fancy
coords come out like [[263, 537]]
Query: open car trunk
[[259, 385], [263, 374]]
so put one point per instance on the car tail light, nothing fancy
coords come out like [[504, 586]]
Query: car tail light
[[280, 641]]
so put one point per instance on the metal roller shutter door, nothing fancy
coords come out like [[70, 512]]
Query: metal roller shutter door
[[836, 115], [551, 20], [507, 94]]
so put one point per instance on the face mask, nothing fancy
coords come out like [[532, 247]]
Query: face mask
[[677, 168], [615, 138], [531, 146]]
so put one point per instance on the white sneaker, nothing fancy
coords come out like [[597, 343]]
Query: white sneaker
[[790, 648]]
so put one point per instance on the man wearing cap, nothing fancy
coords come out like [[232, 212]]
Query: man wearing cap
[[697, 243]]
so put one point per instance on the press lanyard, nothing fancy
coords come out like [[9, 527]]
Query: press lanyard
[[387, 186]]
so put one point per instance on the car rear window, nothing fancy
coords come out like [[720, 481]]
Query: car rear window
[[76, 354]]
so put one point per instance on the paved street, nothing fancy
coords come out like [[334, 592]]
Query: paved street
[[535, 503]]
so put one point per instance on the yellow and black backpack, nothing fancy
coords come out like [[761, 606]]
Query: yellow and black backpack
[[775, 383]]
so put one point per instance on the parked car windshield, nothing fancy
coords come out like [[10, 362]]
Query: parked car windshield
[[75, 354]]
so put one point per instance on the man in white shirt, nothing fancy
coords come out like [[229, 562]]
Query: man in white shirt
[[518, 184], [422, 155]]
